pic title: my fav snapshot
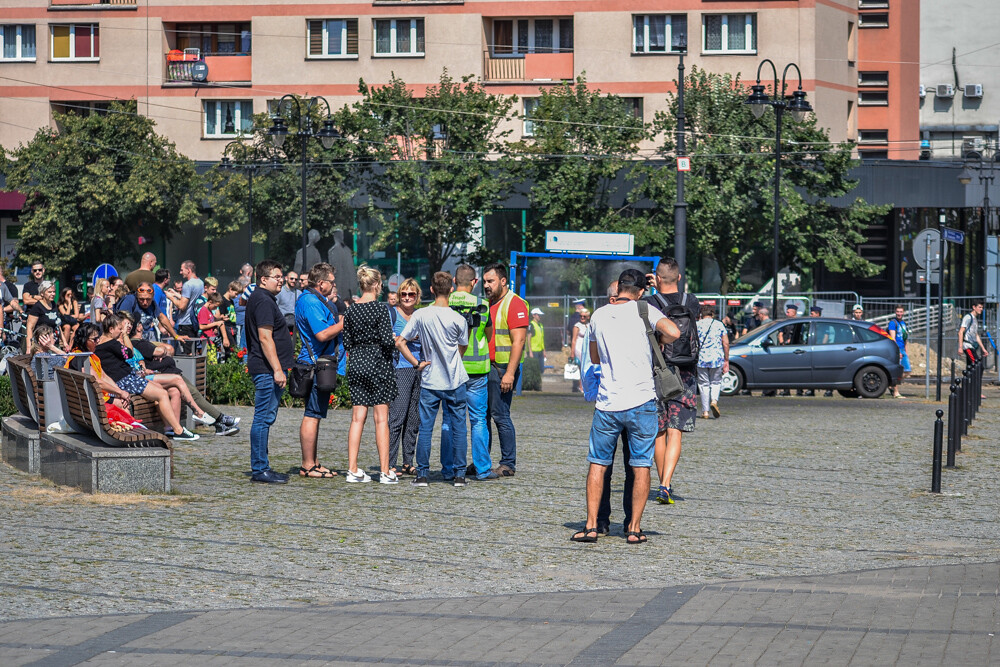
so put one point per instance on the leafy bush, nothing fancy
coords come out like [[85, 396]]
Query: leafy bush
[[229, 383], [6, 399], [531, 374]]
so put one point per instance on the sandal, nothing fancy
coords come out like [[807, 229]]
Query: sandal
[[407, 470], [640, 537], [322, 472], [585, 535]]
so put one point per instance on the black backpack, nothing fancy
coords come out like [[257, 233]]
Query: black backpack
[[684, 350]]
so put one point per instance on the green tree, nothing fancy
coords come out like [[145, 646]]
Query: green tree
[[579, 160], [439, 160], [332, 179], [94, 184], [730, 188]]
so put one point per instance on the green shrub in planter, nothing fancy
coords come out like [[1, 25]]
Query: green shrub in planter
[[6, 399], [230, 384], [531, 374]]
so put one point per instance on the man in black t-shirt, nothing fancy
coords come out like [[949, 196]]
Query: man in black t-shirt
[[270, 353], [678, 415], [29, 293]]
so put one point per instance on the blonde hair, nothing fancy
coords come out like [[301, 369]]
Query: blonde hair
[[121, 291], [368, 278], [99, 285], [411, 282]]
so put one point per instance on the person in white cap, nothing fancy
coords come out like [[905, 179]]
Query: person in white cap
[[858, 313], [536, 337]]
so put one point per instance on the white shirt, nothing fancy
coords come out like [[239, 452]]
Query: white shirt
[[626, 360], [441, 330]]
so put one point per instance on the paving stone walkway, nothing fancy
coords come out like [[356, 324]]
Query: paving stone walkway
[[782, 497]]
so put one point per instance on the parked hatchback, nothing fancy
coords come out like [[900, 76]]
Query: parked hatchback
[[855, 358]]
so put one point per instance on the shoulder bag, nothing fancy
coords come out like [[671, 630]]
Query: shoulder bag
[[666, 381], [322, 371]]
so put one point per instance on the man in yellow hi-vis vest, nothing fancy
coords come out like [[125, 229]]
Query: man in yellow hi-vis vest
[[509, 313], [536, 337]]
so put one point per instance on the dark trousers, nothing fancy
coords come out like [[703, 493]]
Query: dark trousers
[[404, 416], [499, 413], [604, 509]]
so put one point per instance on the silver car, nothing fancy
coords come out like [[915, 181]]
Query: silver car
[[855, 358]]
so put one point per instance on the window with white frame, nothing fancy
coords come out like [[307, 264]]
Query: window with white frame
[[17, 42], [659, 33], [399, 37], [228, 118], [516, 37], [529, 106], [333, 38], [77, 41], [729, 33]]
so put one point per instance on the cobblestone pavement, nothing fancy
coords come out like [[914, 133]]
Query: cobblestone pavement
[[780, 487]]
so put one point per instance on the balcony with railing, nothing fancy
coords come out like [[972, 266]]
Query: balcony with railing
[[528, 49], [92, 4], [534, 67], [191, 67]]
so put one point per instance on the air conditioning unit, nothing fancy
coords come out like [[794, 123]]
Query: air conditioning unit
[[973, 90], [944, 90], [923, 91]]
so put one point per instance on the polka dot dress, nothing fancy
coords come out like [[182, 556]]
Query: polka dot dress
[[370, 344]]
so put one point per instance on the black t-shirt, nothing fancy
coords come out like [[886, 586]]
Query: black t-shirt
[[30, 287], [751, 322], [112, 356], [46, 315], [263, 311]]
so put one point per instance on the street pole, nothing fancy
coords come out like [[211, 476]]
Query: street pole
[[927, 321], [940, 336], [680, 206], [778, 111], [250, 170], [305, 234]]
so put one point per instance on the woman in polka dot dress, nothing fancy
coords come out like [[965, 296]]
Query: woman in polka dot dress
[[370, 345]]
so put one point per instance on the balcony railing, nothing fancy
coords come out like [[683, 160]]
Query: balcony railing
[[528, 67], [110, 4], [228, 68]]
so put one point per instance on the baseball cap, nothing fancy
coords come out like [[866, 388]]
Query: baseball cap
[[579, 302], [758, 304], [631, 279], [816, 309], [857, 306], [537, 311], [791, 306]]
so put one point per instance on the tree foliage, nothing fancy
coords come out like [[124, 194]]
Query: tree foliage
[[439, 161], [94, 184], [730, 188], [579, 160]]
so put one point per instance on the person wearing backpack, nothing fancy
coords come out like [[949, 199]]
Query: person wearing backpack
[[679, 414]]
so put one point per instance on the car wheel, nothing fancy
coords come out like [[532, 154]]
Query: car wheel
[[871, 382], [732, 382], [848, 393]]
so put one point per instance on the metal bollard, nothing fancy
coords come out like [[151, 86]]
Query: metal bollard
[[936, 461], [966, 396], [953, 436]]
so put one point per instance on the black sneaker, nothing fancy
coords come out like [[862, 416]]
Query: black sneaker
[[460, 481], [228, 421], [419, 481], [222, 429]]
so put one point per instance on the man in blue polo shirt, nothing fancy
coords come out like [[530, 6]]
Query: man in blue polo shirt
[[319, 328]]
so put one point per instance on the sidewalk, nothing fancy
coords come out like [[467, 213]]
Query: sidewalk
[[935, 615]]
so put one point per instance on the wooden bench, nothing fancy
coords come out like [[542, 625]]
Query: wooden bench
[[86, 412], [17, 368]]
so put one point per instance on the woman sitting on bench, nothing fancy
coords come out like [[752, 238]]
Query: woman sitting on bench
[[114, 361], [84, 341]]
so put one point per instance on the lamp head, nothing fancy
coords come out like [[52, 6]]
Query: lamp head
[[966, 176], [438, 133], [328, 134], [799, 107], [758, 100], [225, 163], [679, 43], [278, 131]]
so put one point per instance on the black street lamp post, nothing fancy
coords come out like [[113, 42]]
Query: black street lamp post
[[986, 177], [798, 107], [250, 162], [327, 135], [680, 206]]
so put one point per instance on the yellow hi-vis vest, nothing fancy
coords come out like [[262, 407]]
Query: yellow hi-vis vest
[[501, 334], [477, 356], [537, 337]]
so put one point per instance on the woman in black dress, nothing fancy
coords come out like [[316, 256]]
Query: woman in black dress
[[370, 345], [44, 312]]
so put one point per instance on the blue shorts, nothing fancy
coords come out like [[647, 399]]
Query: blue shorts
[[317, 404], [904, 361], [639, 422]]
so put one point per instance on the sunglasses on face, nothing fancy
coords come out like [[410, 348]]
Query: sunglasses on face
[[408, 295]]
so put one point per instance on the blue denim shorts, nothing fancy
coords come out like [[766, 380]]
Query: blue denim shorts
[[640, 423], [317, 404]]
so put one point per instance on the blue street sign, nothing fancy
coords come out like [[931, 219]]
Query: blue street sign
[[953, 235]]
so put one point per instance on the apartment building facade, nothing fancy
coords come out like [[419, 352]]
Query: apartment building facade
[[202, 69]]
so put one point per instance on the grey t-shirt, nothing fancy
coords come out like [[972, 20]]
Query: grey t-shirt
[[971, 326], [441, 331], [192, 290]]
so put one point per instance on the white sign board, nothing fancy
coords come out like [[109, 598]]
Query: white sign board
[[594, 243], [683, 164], [394, 282]]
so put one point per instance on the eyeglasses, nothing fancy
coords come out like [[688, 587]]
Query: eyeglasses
[[145, 291], [38, 270], [94, 338], [407, 295], [277, 277]]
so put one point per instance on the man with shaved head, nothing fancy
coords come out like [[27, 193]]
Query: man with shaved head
[[144, 274]]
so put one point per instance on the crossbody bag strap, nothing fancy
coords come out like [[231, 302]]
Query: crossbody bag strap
[[653, 345]]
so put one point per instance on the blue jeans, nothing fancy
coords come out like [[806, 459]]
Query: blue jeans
[[452, 403], [477, 399], [640, 423], [499, 412], [265, 410]]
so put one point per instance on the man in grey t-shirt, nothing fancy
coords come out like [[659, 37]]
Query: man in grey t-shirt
[[968, 334], [187, 302], [444, 335]]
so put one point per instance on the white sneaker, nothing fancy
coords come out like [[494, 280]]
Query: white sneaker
[[205, 419], [358, 477], [389, 478]]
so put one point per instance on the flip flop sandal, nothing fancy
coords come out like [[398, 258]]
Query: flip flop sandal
[[638, 534], [585, 535], [323, 474], [407, 470]]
